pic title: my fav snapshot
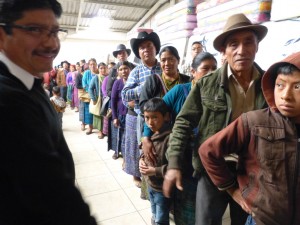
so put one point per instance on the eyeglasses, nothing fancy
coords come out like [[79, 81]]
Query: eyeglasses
[[38, 31]]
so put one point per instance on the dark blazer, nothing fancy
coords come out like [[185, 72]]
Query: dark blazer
[[36, 167]]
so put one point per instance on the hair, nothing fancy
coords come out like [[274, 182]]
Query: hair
[[199, 58], [101, 64], [93, 60], [170, 49], [56, 90], [12, 10], [285, 68], [156, 105], [124, 63], [112, 63], [82, 61], [197, 42]]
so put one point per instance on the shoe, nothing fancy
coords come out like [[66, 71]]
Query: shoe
[[88, 132], [115, 156]]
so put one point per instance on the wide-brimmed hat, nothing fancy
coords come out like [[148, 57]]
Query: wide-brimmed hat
[[121, 47], [144, 36], [65, 62], [235, 23]]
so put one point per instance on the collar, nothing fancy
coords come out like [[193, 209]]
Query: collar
[[255, 73], [153, 67], [26, 78]]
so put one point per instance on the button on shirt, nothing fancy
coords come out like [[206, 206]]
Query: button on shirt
[[135, 82], [242, 101]]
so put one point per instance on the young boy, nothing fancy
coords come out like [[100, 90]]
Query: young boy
[[58, 103], [267, 141], [157, 117]]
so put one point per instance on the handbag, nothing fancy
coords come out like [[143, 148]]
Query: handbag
[[95, 109], [83, 95], [104, 108]]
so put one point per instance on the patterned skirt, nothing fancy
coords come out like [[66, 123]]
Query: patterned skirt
[[88, 117], [97, 122], [132, 153], [105, 125], [121, 136], [81, 111]]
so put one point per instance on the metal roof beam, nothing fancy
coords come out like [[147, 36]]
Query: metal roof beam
[[71, 27], [92, 16], [117, 4]]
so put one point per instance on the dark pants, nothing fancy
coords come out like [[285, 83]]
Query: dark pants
[[63, 92], [212, 203]]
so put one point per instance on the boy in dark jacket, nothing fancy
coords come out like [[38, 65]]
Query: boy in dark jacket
[[267, 141], [157, 117]]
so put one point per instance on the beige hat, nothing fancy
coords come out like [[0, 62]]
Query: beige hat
[[235, 23]]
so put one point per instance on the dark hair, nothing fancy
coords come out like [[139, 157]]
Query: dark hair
[[170, 49], [56, 90], [287, 69], [197, 42], [156, 105], [101, 64], [112, 63], [12, 10], [125, 63], [199, 58]]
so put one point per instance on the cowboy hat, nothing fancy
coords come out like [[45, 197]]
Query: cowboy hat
[[235, 23], [121, 47], [65, 62], [144, 36]]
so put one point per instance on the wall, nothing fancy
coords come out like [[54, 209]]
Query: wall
[[74, 50]]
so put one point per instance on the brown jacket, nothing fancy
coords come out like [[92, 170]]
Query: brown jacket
[[268, 146], [61, 78]]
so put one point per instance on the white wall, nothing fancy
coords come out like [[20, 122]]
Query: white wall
[[73, 50]]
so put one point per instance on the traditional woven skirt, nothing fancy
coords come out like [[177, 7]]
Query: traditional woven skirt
[[121, 136], [97, 122], [75, 98], [132, 153], [88, 117], [105, 125], [81, 111]]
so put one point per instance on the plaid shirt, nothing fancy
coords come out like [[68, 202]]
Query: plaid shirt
[[135, 82]]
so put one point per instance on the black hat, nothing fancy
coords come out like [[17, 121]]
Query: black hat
[[144, 36], [65, 62], [121, 47]]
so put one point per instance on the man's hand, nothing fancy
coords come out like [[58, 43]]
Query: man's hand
[[237, 196], [173, 177], [149, 150]]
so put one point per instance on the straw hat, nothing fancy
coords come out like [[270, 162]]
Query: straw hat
[[144, 36], [236, 23]]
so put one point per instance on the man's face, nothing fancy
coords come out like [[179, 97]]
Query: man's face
[[122, 56], [66, 66], [147, 51], [196, 49], [287, 95], [240, 50], [33, 53]]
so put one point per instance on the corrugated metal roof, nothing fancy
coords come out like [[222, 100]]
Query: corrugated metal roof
[[123, 14]]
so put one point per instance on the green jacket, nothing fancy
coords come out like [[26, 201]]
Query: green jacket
[[208, 107]]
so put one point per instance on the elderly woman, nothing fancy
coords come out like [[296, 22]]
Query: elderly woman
[[159, 84], [184, 200]]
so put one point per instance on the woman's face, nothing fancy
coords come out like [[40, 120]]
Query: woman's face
[[169, 64], [72, 68], [102, 70], [123, 72], [205, 67], [93, 66]]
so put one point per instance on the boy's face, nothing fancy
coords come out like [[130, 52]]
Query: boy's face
[[287, 95], [154, 120]]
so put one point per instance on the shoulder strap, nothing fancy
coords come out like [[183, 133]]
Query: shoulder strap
[[162, 83]]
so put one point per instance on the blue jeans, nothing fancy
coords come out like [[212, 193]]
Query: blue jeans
[[212, 203], [160, 207], [250, 221]]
